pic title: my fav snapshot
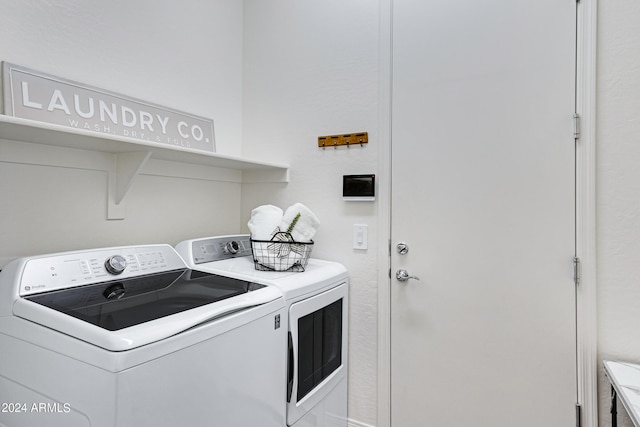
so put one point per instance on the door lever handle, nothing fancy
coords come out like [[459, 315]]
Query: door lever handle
[[403, 276]]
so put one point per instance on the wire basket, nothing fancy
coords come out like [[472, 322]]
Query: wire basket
[[281, 253]]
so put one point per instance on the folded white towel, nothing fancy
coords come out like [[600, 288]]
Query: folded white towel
[[304, 228], [264, 221]]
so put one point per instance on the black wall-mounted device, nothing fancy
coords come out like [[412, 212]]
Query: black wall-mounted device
[[359, 187]]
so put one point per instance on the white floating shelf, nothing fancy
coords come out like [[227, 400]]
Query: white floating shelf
[[131, 155], [24, 130]]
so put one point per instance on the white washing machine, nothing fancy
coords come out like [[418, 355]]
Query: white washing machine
[[317, 322], [132, 337]]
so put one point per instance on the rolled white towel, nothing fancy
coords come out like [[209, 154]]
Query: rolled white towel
[[305, 227], [264, 221]]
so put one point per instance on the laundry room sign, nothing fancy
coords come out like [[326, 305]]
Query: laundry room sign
[[37, 96]]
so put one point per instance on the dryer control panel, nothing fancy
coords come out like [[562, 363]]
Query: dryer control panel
[[219, 248]]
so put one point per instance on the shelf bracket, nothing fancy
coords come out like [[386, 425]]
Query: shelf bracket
[[125, 169]]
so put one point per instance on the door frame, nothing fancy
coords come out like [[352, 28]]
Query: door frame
[[586, 335]]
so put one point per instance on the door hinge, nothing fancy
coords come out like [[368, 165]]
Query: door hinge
[[576, 271], [578, 415], [576, 126]]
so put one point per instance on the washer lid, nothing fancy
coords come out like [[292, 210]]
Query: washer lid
[[123, 314], [121, 304]]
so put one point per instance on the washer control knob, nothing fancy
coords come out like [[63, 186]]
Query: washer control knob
[[232, 247], [115, 264]]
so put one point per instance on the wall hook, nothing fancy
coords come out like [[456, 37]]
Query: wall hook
[[348, 139]]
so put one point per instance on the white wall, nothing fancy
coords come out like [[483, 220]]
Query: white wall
[[184, 55], [311, 69], [618, 192]]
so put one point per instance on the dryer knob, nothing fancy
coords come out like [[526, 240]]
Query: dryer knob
[[115, 264], [232, 247]]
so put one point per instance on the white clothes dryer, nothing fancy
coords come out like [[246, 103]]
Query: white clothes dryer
[[131, 336], [317, 321]]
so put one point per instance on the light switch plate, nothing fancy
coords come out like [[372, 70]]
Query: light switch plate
[[360, 236]]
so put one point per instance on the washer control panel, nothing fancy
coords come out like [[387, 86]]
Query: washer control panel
[[61, 271], [219, 248]]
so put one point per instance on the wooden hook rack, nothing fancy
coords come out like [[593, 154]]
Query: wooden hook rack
[[349, 139]]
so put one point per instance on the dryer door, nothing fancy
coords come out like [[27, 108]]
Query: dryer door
[[318, 349]]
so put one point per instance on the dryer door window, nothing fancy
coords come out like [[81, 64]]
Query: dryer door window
[[319, 346], [317, 349]]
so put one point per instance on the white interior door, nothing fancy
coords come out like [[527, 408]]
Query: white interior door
[[483, 195]]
